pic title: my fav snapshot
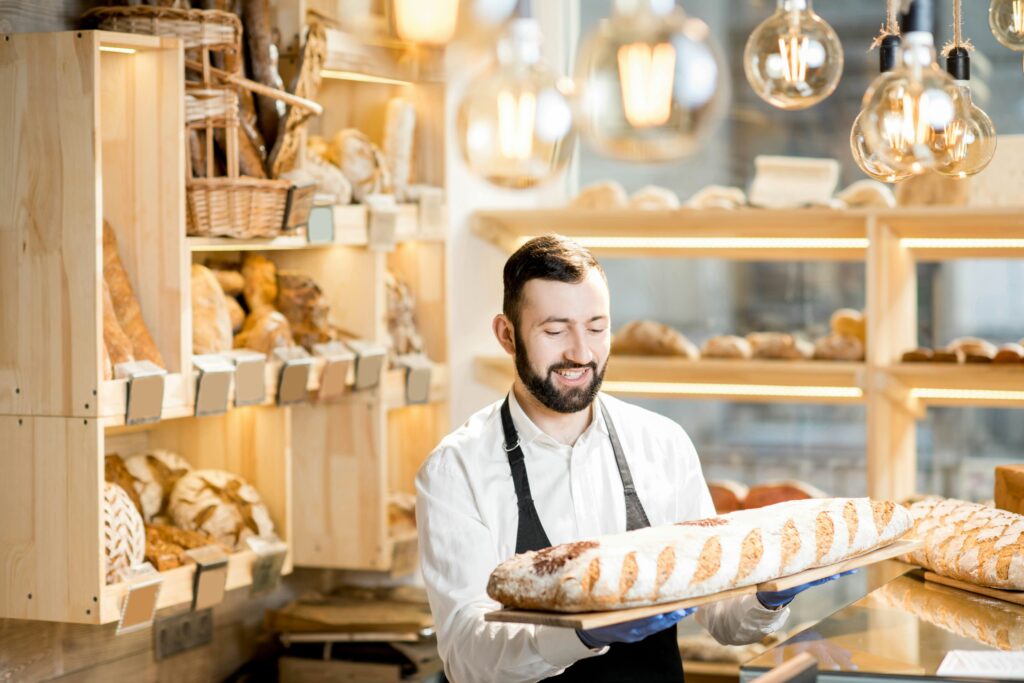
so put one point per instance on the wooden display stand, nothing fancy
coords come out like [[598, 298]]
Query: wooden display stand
[[890, 241]]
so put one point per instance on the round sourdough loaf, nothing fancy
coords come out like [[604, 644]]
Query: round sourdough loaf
[[124, 536]]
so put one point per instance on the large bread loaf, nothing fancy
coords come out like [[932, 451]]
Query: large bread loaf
[[970, 542], [696, 558]]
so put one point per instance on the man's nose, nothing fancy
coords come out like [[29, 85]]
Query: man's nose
[[579, 351]]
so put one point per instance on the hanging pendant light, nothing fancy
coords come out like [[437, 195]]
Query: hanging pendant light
[[970, 140], [426, 23], [866, 158], [793, 59], [1006, 19], [908, 109], [649, 83], [514, 124]]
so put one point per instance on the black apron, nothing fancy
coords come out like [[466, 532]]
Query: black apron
[[656, 658]]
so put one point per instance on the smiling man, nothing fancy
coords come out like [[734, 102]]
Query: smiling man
[[557, 461]]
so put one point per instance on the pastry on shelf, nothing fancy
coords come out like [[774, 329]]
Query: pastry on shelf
[[779, 346], [116, 471], [945, 354], [155, 473], [762, 495], [231, 281], [849, 322], [265, 328], [221, 504], [235, 313], [302, 302], [125, 303], [975, 350], [166, 545], [839, 347], [124, 536], [867, 193], [651, 338], [211, 321], [607, 194], [921, 354], [259, 281], [727, 346], [1009, 353], [717, 197], [401, 317], [361, 162], [727, 495], [654, 197]]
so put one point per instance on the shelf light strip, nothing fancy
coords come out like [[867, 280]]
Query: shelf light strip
[[967, 394], [694, 389], [118, 50], [962, 243], [774, 243], [360, 77]]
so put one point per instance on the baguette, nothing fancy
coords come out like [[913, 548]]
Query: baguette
[[126, 305], [696, 558], [116, 344]]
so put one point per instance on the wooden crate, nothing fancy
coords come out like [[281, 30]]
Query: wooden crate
[[51, 547], [93, 132]]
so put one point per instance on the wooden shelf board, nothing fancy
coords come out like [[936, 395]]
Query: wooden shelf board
[[700, 668], [968, 384], [774, 381], [136, 41]]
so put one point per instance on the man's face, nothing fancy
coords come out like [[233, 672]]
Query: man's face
[[563, 341]]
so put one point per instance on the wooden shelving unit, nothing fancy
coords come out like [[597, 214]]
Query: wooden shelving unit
[[889, 241]]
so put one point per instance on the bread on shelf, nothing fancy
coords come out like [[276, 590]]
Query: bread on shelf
[[607, 194], [221, 504], [231, 281], [124, 536], [727, 495], [211, 321], [116, 343], [654, 197], [727, 346], [771, 493], [651, 338], [116, 471], [836, 346], [921, 354], [126, 305], [849, 322], [779, 346], [166, 545], [974, 349], [155, 472], [302, 302], [1009, 353]]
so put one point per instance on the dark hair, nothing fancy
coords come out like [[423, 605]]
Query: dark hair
[[548, 257]]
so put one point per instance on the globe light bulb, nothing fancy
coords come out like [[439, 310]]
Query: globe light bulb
[[648, 83], [1006, 19], [970, 140], [514, 124], [906, 111], [427, 23], [793, 59], [866, 158]]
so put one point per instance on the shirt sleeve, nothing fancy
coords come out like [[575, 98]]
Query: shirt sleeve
[[737, 621], [457, 555]]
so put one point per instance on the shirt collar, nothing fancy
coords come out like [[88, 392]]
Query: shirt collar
[[528, 431]]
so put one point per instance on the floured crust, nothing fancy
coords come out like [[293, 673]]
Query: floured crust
[[696, 558]]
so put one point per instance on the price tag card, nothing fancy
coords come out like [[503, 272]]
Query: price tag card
[[431, 210], [139, 605], [336, 376], [418, 371], [211, 576], [266, 568], [294, 375], [370, 359], [145, 390], [213, 385], [382, 222], [250, 376]]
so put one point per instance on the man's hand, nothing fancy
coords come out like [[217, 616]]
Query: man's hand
[[777, 599], [632, 631]]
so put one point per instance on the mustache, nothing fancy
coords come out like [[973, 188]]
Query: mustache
[[566, 365]]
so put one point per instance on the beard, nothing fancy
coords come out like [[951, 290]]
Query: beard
[[543, 388]]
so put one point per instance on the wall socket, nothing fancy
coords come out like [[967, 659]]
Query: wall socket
[[181, 632]]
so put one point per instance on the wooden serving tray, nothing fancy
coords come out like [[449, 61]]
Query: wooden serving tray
[[1016, 597], [588, 620]]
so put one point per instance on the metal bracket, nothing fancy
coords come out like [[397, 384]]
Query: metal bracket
[[294, 375], [211, 576], [213, 385], [381, 223], [250, 376], [418, 371], [370, 359], [269, 562], [138, 608], [336, 375], [145, 399]]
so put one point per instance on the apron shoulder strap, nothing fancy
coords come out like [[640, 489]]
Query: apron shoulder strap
[[531, 534], [636, 518]]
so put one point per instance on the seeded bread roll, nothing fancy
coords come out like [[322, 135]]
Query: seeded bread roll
[[727, 346], [975, 350], [696, 558], [779, 346], [650, 338]]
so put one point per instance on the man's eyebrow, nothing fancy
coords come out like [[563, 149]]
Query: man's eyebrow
[[553, 319]]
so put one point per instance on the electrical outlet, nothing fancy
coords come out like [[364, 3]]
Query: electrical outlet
[[181, 632]]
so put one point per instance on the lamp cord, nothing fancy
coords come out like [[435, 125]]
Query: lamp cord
[[958, 29], [891, 27]]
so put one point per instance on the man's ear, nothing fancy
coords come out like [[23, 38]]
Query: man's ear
[[504, 333]]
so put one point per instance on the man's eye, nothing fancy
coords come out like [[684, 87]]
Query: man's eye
[[597, 331], [553, 333]]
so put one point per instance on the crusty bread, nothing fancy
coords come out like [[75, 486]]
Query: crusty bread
[[975, 350], [838, 346], [921, 354], [970, 542], [849, 322], [770, 493], [651, 338], [727, 495], [696, 558], [727, 346], [1009, 353], [779, 346], [607, 194]]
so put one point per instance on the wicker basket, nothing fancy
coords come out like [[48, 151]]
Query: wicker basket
[[243, 208], [203, 104], [212, 29]]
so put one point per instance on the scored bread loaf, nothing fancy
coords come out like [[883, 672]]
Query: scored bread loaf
[[124, 536], [727, 346], [651, 338], [770, 493], [220, 504], [970, 542], [154, 473], [696, 558], [779, 346]]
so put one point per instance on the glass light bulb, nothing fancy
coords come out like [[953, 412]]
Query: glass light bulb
[[970, 140], [649, 83], [867, 159], [907, 110], [1006, 19], [793, 59], [428, 23], [514, 124]]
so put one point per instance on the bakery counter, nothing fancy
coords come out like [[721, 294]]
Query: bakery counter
[[902, 630]]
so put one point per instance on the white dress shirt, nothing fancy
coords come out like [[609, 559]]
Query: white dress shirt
[[468, 521]]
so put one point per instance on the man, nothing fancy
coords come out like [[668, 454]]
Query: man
[[553, 462]]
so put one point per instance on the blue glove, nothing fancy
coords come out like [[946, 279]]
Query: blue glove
[[777, 599], [632, 631]]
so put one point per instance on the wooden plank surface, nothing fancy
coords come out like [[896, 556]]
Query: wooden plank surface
[[587, 620], [1016, 597]]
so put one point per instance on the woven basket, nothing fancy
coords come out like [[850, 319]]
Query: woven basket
[[243, 207], [203, 104], [212, 29]]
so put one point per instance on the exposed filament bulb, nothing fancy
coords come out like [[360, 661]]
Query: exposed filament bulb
[[647, 76]]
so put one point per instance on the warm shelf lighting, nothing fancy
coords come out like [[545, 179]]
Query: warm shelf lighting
[[118, 50], [962, 243], [361, 78], [429, 23], [750, 390], [772, 243], [966, 394]]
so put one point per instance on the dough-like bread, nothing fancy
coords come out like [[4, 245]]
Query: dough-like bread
[[301, 301], [265, 330], [124, 536], [221, 504], [727, 346], [211, 322], [970, 542], [921, 354], [260, 277], [126, 305], [654, 197], [607, 194], [771, 493], [651, 338], [235, 313], [839, 347], [727, 495], [975, 350], [696, 558], [231, 281], [1009, 353], [116, 343], [779, 345], [849, 322], [155, 473]]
